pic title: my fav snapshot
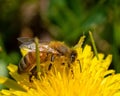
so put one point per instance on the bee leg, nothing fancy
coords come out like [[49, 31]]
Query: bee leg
[[50, 66], [79, 65], [52, 58], [33, 73], [30, 77]]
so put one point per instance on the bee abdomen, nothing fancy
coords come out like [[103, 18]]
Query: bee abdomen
[[21, 66], [27, 63]]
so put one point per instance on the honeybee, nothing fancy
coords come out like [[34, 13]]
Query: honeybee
[[54, 53]]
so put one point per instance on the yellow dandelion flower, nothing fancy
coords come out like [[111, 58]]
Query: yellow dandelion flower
[[89, 77]]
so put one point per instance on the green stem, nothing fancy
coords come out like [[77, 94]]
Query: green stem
[[37, 55], [93, 44]]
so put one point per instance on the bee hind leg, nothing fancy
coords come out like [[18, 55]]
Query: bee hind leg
[[33, 74]]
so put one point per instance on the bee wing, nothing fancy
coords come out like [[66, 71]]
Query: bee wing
[[28, 43], [25, 39], [31, 40]]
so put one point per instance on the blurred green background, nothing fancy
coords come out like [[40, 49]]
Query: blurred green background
[[64, 20]]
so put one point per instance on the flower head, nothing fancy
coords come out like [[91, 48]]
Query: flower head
[[89, 77]]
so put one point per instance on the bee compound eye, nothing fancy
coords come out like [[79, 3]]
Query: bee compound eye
[[73, 56]]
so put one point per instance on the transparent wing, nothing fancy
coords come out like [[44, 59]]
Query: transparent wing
[[28, 43], [25, 39]]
